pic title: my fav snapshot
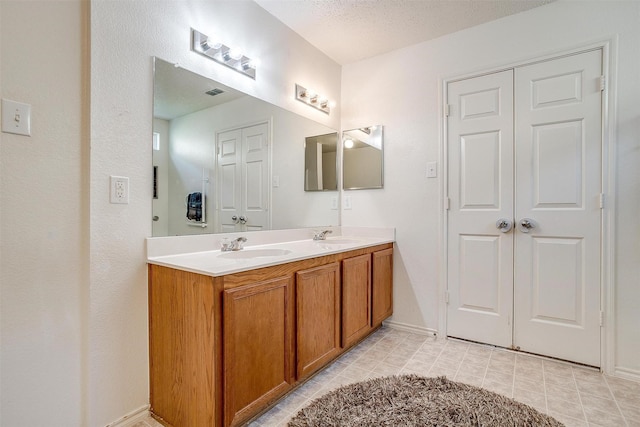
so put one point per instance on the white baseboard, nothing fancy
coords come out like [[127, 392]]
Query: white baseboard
[[410, 328], [628, 374], [131, 418]]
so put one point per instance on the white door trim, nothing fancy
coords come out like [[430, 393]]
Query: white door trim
[[609, 115]]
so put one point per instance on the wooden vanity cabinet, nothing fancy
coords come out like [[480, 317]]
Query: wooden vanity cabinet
[[222, 349], [356, 298], [381, 286], [257, 333], [317, 317]]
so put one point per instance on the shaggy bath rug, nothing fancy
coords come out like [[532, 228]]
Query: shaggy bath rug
[[411, 400]]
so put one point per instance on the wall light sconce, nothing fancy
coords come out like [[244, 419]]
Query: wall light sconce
[[222, 54], [311, 98]]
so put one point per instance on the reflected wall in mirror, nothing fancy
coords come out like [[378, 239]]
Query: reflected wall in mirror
[[320, 162], [226, 161], [362, 155]]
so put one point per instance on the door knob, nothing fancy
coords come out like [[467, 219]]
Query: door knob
[[504, 225], [242, 219], [526, 224], [235, 219]]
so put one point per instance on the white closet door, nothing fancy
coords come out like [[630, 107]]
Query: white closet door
[[558, 186], [229, 180], [480, 256], [255, 149]]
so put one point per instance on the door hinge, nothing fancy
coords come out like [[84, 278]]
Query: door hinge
[[447, 110], [601, 318], [446, 297], [447, 203], [603, 83], [601, 200]]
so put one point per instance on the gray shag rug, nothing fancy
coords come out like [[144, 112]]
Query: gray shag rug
[[411, 400]]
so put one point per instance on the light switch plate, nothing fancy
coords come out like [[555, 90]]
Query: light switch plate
[[16, 117], [347, 202], [432, 169]]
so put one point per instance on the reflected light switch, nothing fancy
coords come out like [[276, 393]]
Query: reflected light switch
[[16, 117]]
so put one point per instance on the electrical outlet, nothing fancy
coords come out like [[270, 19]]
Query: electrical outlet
[[119, 190]]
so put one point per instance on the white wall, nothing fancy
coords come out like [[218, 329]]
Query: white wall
[[410, 111], [44, 216], [124, 37]]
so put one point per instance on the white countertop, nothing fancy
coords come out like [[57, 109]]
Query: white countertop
[[197, 254]]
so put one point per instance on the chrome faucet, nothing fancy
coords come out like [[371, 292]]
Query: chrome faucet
[[232, 245], [321, 235]]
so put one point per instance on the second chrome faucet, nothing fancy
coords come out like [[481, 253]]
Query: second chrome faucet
[[227, 245]]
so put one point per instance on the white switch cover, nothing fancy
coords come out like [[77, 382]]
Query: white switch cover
[[347, 202], [334, 203], [119, 190], [276, 181], [16, 117], [432, 169]]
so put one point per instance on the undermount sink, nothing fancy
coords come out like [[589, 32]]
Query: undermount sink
[[339, 241], [254, 253]]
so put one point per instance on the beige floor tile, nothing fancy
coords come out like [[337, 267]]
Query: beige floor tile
[[501, 365], [594, 402], [386, 369], [557, 368], [559, 380], [605, 419], [418, 367], [630, 413], [567, 394], [507, 357], [479, 349], [568, 421], [591, 387], [528, 397], [446, 363], [472, 369], [504, 377], [527, 386], [468, 379], [496, 387], [439, 371], [477, 359], [569, 409]]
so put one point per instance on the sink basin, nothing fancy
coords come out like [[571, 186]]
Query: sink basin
[[339, 241], [254, 253]]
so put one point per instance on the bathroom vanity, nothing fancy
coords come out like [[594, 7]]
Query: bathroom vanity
[[232, 332]]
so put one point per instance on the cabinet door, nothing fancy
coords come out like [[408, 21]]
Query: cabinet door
[[356, 298], [257, 343], [318, 317], [382, 286]]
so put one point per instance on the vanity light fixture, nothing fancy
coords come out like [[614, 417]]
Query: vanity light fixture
[[222, 54], [311, 98]]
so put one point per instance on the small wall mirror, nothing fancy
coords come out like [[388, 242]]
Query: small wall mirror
[[362, 155], [321, 162]]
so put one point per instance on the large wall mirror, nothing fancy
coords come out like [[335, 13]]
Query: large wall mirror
[[225, 161], [362, 154]]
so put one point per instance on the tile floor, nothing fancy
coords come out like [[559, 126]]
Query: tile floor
[[574, 395]]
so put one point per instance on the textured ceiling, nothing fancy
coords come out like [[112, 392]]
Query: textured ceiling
[[351, 30]]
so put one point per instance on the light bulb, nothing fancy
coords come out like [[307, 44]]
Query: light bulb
[[348, 143], [235, 54]]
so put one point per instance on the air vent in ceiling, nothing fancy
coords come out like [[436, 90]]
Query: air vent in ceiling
[[214, 92]]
